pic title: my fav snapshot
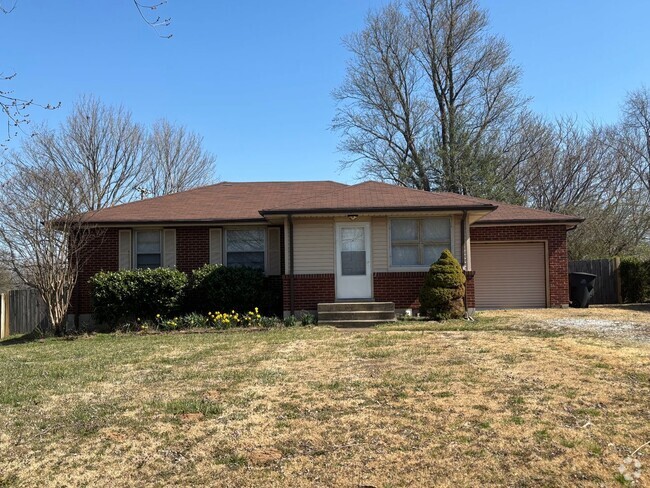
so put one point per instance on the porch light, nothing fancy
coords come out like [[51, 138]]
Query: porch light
[[353, 217]]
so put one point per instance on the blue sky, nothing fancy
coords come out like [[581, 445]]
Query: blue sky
[[255, 78]]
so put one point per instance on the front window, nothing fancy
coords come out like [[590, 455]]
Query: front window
[[148, 249], [419, 242], [245, 247]]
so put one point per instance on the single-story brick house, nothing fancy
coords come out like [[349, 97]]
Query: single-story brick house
[[328, 242]]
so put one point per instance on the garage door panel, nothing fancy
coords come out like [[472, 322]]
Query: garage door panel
[[509, 275]]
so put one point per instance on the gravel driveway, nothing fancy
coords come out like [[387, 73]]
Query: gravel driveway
[[631, 322]]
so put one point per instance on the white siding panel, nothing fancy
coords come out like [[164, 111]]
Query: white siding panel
[[169, 248], [509, 275], [125, 249], [216, 246], [313, 246], [379, 234]]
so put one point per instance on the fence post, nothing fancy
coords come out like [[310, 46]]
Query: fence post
[[4, 316], [617, 274]]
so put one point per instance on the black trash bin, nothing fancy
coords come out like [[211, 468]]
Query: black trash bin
[[582, 288]]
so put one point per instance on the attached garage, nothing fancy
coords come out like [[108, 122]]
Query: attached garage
[[509, 274]]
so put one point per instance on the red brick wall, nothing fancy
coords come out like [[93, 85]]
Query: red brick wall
[[309, 291], [192, 248], [469, 290], [402, 288], [558, 258], [192, 251], [102, 254]]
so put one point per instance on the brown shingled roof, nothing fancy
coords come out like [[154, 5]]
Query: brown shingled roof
[[376, 196], [221, 202], [232, 202], [509, 214]]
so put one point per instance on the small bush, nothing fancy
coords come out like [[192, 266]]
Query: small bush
[[635, 280], [441, 296], [125, 295], [214, 287]]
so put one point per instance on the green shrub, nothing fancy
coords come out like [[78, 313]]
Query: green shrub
[[220, 288], [635, 280], [441, 296], [126, 295]]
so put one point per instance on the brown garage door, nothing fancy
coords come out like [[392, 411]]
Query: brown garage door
[[509, 275]]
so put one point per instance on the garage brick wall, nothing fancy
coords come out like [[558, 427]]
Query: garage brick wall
[[558, 258]]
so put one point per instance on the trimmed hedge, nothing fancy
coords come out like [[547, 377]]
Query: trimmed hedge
[[214, 288], [635, 280], [125, 295], [441, 296]]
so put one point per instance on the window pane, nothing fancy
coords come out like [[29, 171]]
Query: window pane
[[405, 255], [249, 259], [404, 230], [250, 240], [148, 242], [353, 263], [353, 239], [148, 261], [436, 230], [432, 254]]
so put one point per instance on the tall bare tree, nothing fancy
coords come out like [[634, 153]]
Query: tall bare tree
[[101, 147], [633, 141], [40, 232], [427, 94], [175, 160], [577, 169]]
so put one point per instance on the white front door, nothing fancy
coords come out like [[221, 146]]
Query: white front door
[[353, 268]]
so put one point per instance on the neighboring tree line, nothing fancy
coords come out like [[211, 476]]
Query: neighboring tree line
[[97, 158], [432, 101]]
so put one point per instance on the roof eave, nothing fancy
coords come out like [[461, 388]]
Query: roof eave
[[100, 223], [376, 209], [488, 223]]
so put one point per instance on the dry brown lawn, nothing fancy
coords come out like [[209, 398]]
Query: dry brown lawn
[[502, 401]]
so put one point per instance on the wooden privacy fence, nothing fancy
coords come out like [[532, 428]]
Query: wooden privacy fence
[[607, 289], [22, 311]]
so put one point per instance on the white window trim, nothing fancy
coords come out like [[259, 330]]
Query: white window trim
[[423, 267], [134, 259], [225, 243]]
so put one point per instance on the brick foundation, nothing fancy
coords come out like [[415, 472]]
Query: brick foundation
[[309, 291], [402, 288], [558, 258]]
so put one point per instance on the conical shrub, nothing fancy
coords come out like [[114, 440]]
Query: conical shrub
[[441, 296]]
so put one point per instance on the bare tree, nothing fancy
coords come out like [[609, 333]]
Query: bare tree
[[578, 170], [633, 141], [6, 280], [99, 147], [40, 231], [175, 160], [428, 93]]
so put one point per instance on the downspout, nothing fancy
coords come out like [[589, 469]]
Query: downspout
[[291, 280]]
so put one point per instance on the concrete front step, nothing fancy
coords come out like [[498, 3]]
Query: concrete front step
[[355, 314], [354, 323], [357, 307]]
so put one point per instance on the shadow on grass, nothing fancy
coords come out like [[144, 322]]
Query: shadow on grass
[[22, 339], [636, 307]]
